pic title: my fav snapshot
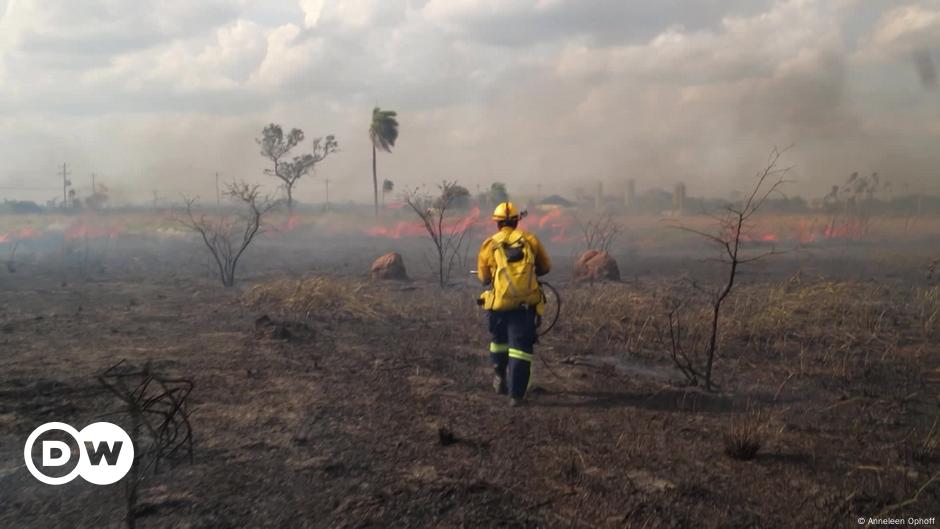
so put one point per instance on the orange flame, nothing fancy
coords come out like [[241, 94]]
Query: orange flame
[[82, 230], [417, 229], [556, 222], [806, 231], [26, 232]]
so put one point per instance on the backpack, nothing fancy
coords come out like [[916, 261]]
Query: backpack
[[514, 283]]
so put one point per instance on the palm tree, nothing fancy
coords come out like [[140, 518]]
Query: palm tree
[[382, 132]]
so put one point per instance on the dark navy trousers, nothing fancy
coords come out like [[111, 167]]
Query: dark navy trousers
[[513, 338]]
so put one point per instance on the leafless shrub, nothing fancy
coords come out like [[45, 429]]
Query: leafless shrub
[[746, 435], [599, 233], [448, 237], [160, 429], [226, 237], [728, 236], [814, 327]]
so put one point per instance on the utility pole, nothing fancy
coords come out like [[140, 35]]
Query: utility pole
[[65, 186], [218, 195], [327, 182], [93, 191]]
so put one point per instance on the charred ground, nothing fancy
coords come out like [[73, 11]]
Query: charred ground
[[374, 409]]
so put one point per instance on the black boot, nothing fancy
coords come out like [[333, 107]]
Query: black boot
[[499, 381]]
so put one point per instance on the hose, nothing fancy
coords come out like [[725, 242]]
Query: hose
[[557, 306]]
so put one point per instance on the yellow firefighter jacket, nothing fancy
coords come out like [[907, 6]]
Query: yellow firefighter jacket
[[509, 293]]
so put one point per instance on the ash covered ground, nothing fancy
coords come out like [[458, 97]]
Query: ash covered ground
[[373, 408]]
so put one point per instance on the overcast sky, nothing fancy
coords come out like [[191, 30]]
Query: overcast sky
[[563, 92]]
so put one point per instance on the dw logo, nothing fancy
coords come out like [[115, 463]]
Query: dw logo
[[105, 453]]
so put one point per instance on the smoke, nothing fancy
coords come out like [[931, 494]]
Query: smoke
[[563, 107], [926, 70]]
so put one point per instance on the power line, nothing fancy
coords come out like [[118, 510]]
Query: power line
[[65, 186]]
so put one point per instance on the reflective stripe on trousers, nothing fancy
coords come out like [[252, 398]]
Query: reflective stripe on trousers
[[520, 355]]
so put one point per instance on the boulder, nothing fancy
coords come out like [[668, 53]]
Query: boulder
[[596, 265], [389, 266]]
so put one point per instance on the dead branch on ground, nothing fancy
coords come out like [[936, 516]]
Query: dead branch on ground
[[159, 413]]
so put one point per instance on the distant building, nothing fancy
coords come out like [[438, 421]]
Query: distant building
[[678, 198], [556, 200]]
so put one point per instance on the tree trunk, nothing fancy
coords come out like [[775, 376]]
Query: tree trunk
[[290, 198], [228, 277], [375, 183], [440, 260], [719, 299]]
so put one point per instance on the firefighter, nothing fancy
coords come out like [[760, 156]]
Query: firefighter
[[510, 262]]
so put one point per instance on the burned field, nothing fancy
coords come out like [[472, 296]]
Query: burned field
[[323, 399]]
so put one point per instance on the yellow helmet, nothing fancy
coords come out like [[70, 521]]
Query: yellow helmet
[[505, 211]]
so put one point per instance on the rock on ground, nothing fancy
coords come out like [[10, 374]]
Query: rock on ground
[[389, 266], [596, 265]]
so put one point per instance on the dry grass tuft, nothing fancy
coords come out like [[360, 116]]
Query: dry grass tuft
[[606, 318], [321, 297], [746, 436]]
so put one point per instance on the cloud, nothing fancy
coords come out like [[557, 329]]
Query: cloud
[[523, 22], [51, 28], [525, 91], [221, 64], [910, 26], [904, 30], [353, 14], [699, 105], [59, 50]]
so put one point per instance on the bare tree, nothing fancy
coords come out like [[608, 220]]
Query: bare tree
[[729, 234], [275, 146], [228, 237], [448, 237], [600, 232]]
